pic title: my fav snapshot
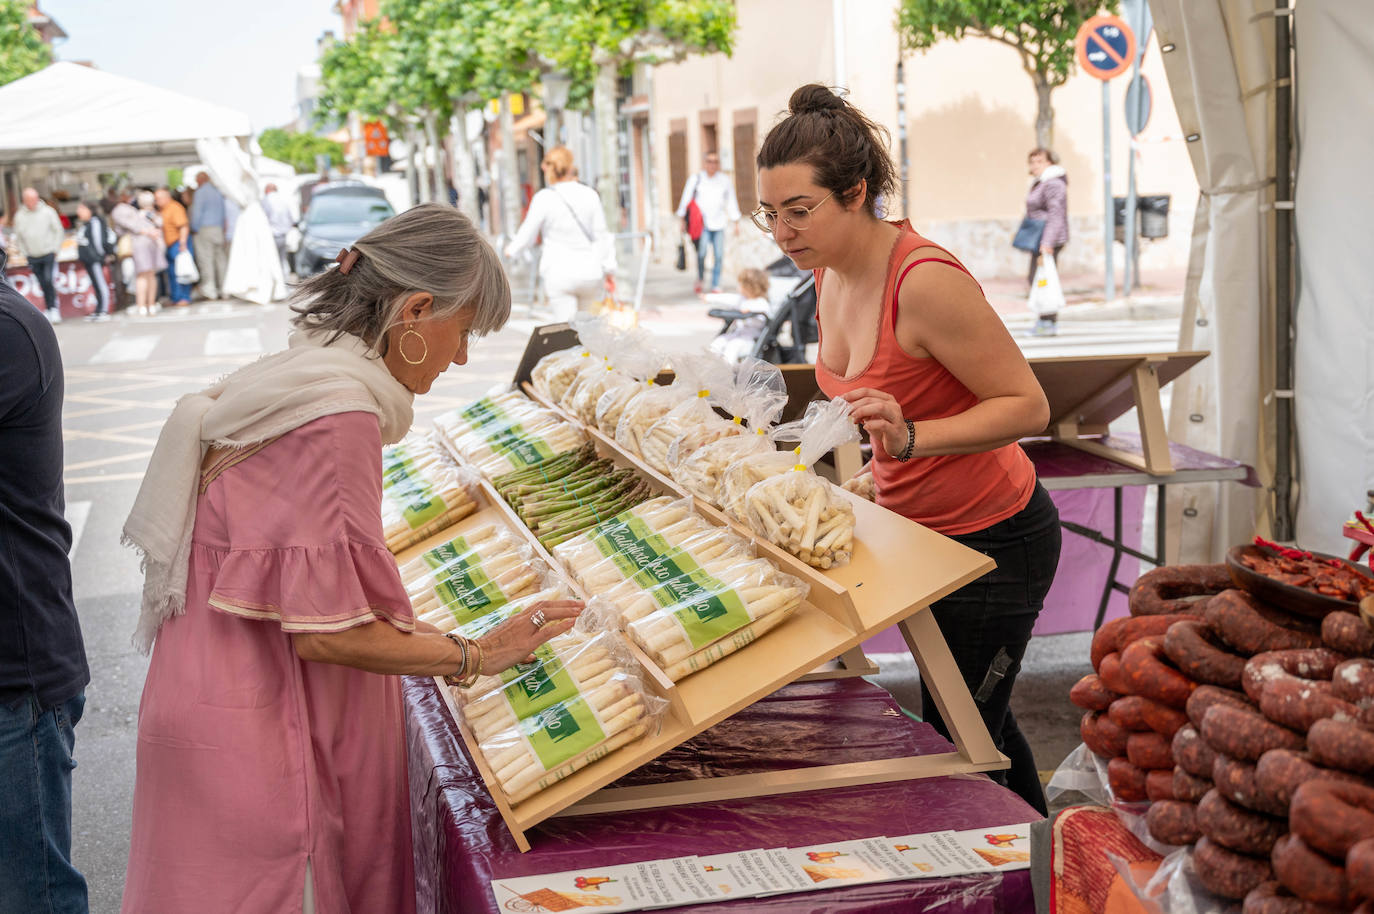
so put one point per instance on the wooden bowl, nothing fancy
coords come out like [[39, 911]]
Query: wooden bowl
[[1298, 600]]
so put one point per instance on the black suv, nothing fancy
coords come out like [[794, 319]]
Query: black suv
[[339, 214]]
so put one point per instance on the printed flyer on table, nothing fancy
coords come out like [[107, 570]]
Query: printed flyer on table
[[768, 871]]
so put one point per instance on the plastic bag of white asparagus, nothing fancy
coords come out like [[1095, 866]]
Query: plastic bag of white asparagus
[[756, 399], [678, 621], [656, 401], [471, 575], [530, 754], [739, 477], [598, 340], [623, 348], [648, 558], [553, 373], [799, 511], [636, 370], [695, 416], [634, 537], [499, 434], [553, 589], [500, 406], [423, 492]]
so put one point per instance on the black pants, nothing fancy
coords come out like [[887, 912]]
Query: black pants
[[988, 625], [96, 269], [42, 268]]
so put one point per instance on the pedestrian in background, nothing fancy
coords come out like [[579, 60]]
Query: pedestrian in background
[[577, 265], [713, 191], [150, 256], [38, 229], [279, 220], [176, 232], [95, 248], [43, 672], [1048, 202], [207, 225]]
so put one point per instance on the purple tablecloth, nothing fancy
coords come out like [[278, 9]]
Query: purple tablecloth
[[461, 842]]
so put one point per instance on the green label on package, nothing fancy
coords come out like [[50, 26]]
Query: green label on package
[[706, 609], [518, 447], [542, 654], [482, 412], [451, 556], [421, 511], [545, 685], [631, 544], [673, 565], [413, 494], [563, 731], [469, 594], [485, 623]]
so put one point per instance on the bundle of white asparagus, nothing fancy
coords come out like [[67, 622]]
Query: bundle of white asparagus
[[646, 407], [555, 371], [471, 575], [746, 472], [422, 492], [805, 515], [507, 432], [628, 358], [693, 418], [553, 589], [611, 407], [598, 339], [703, 472], [529, 754], [863, 486]]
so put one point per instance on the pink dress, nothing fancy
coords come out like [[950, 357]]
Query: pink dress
[[252, 761]]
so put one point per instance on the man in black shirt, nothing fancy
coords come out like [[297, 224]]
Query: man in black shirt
[[43, 673]]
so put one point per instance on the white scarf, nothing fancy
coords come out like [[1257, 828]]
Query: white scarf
[[261, 401]]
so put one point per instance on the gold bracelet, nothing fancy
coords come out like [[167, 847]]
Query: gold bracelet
[[457, 678], [481, 659]]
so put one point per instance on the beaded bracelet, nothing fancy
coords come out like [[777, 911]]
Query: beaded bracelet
[[905, 455]]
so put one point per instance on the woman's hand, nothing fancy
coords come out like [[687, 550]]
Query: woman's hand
[[1047, 250], [881, 416], [514, 640]]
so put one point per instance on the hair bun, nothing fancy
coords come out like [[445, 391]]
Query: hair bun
[[814, 97]]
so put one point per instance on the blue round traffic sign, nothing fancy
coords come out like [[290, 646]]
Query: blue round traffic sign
[[1106, 47]]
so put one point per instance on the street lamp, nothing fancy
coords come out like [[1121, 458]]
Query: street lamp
[[555, 88]]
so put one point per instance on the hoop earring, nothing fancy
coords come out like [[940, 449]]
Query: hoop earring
[[401, 346]]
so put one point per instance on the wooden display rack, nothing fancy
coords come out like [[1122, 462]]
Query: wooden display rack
[[898, 569], [1087, 392]]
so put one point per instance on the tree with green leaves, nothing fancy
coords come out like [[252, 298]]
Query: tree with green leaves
[[299, 149], [1041, 32], [22, 49]]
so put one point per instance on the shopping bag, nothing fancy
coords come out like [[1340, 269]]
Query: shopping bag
[[1028, 235], [681, 263], [124, 247], [185, 268], [1046, 295]]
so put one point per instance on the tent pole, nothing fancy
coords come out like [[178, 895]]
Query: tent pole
[[1283, 272]]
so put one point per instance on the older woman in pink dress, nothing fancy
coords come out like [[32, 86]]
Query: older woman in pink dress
[[271, 758]]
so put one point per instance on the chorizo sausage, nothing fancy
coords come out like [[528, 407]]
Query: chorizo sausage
[[1359, 868], [1127, 781], [1274, 898], [1317, 664], [1309, 875], [1150, 751], [1147, 674], [1332, 816], [1346, 632], [1159, 784], [1343, 745], [1189, 787], [1205, 696], [1138, 713], [1280, 772], [1091, 695], [1253, 627], [1110, 674], [1172, 822], [1227, 873], [1353, 680], [1297, 704], [1113, 636], [1168, 589], [1102, 735], [1236, 828], [1245, 735], [1192, 754], [1238, 782], [1198, 654]]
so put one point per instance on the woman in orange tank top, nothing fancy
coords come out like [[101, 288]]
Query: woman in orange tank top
[[937, 382]]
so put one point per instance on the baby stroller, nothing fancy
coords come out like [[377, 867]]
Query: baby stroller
[[790, 325]]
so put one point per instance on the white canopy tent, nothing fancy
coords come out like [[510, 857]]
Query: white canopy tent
[[1223, 73]]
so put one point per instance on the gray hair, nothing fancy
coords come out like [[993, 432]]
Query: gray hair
[[431, 248]]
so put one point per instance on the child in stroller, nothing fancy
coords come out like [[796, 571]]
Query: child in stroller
[[748, 310], [777, 328]]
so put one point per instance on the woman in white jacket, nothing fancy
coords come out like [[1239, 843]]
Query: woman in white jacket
[[578, 262]]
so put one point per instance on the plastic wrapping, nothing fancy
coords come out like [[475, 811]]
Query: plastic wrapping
[[863, 486], [553, 373], [504, 432], [461, 844], [799, 511], [553, 589], [636, 369], [598, 342], [422, 492], [654, 402], [756, 399], [621, 545], [470, 576], [694, 418], [633, 348]]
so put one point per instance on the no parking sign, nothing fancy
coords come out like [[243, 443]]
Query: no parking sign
[[1106, 47]]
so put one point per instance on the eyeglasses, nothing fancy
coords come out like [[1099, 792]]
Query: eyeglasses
[[798, 217]]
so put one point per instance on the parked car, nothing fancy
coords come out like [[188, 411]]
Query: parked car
[[337, 215]]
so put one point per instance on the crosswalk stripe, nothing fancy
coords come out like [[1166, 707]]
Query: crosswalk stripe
[[236, 341], [77, 513], [126, 349]]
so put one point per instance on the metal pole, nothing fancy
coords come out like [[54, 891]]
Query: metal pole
[[1129, 279], [1283, 267], [1108, 219], [901, 124]]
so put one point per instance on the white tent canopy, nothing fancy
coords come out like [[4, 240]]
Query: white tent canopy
[[71, 115]]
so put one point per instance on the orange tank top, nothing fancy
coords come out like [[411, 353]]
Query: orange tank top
[[952, 494]]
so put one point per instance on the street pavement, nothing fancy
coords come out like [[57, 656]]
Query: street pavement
[[123, 377]]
